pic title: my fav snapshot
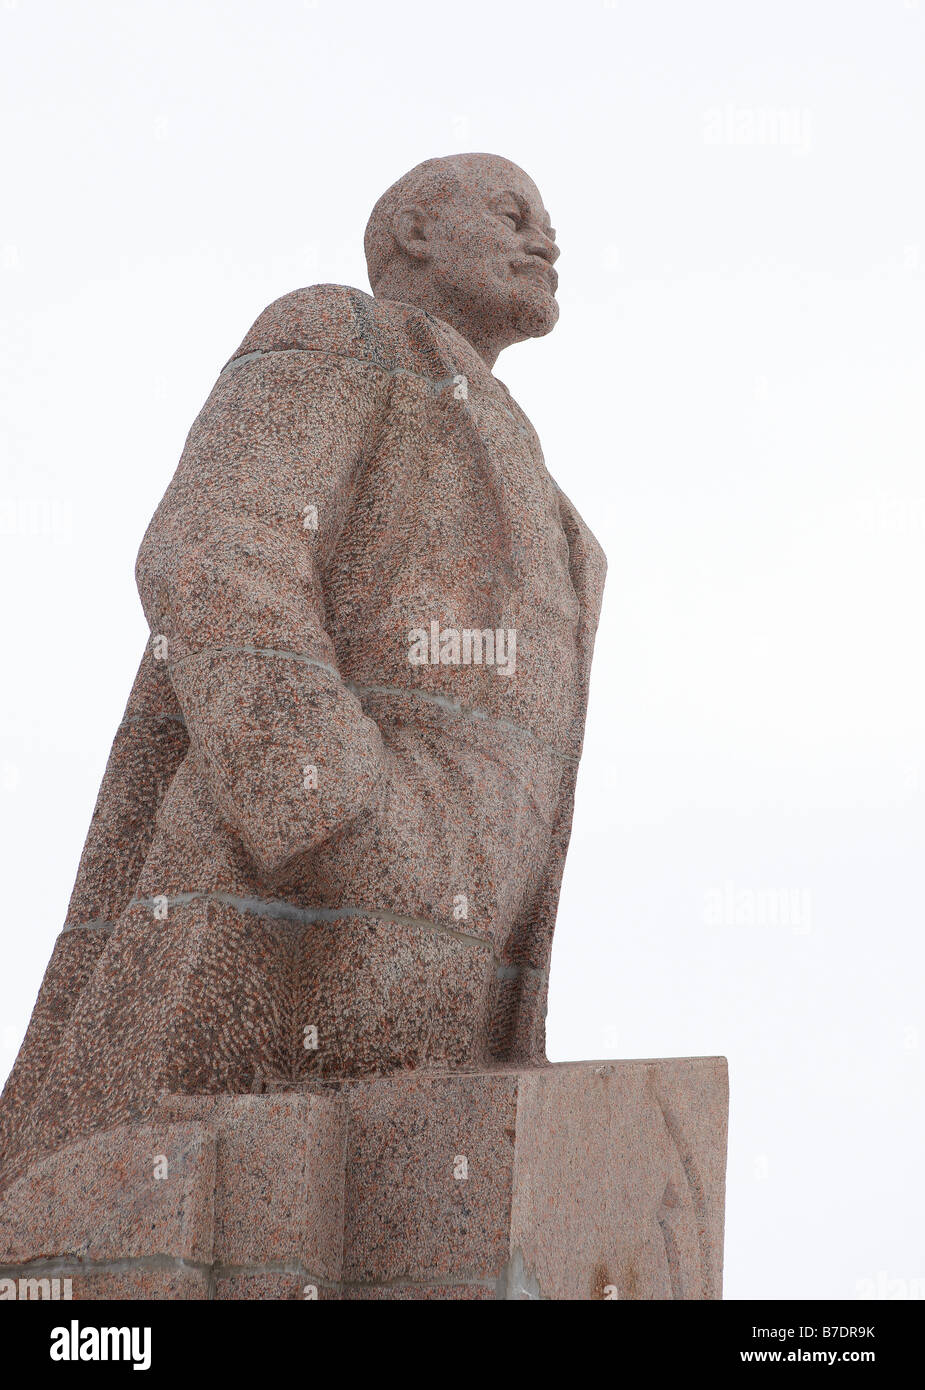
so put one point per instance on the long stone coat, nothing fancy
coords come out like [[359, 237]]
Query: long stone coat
[[317, 854]]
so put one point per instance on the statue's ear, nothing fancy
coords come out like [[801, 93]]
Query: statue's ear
[[411, 231]]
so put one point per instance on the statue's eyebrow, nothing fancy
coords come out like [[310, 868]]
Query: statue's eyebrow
[[508, 193], [525, 211]]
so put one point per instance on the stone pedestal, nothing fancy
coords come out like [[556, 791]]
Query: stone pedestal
[[581, 1180]]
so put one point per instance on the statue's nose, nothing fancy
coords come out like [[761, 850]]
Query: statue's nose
[[538, 244]]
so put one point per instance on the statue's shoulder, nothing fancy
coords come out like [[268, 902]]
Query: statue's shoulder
[[340, 320]]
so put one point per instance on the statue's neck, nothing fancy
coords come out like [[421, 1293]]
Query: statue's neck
[[483, 343]]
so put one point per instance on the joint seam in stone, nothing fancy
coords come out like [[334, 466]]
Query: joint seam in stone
[[299, 916], [519, 972], [153, 719], [446, 702], [310, 916], [245, 650], [433, 383]]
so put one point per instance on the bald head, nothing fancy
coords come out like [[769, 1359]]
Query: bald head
[[467, 238]]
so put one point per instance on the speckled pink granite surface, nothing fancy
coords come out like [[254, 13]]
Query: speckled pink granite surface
[[584, 1180], [309, 941]]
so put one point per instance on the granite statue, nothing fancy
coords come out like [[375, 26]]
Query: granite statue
[[331, 833]]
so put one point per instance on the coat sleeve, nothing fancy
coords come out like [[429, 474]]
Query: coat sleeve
[[230, 575]]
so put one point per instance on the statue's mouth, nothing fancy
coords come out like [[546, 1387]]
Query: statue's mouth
[[538, 270]]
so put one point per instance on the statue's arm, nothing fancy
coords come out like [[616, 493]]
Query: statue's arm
[[231, 579]]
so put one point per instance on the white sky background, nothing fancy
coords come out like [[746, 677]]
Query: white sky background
[[733, 399]]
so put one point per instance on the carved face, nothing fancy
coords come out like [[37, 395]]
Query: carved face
[[492, 250]]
